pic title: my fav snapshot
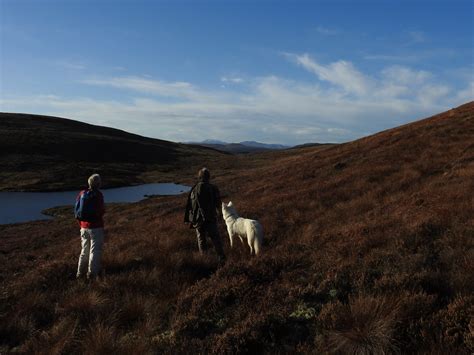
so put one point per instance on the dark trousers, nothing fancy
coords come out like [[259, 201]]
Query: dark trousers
[[209, 229]]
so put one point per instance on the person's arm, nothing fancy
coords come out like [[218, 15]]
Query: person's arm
[[77, 200], [101, 205], [188, 208], [202, 196], [218, 201]]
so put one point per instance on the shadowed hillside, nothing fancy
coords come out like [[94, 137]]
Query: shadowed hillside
[[51, 153], [369, 249]]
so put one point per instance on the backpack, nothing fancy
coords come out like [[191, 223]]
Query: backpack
[[197, 215], [193, 213], [85, 208]]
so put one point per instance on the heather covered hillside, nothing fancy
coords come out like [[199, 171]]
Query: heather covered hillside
[[368, 249], [39, 153]]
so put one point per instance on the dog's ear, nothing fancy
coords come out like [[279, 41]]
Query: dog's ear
[[223, 204], [230, 204]]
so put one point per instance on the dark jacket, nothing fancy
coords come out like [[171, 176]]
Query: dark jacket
[[99, 208], [204, 201]]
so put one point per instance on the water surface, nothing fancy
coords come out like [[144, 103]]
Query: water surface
[[18, 207]]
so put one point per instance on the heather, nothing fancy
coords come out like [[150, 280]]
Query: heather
[[368, 250]]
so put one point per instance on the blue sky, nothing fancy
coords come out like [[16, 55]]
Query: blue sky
[[273, 71]]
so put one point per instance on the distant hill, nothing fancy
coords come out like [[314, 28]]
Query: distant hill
[[308, 145], [264, 145], [45, 153], [241, 147]]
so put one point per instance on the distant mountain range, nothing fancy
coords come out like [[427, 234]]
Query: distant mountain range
[[241, 147]]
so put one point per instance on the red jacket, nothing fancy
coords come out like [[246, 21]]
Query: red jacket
[[100, 208]]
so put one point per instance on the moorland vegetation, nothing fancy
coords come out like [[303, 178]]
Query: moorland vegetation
[[368, 248]]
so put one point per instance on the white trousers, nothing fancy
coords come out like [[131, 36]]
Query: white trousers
[[92, 241]]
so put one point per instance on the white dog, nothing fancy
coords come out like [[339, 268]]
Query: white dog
[[242, 227]]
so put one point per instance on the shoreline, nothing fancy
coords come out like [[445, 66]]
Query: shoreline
[[67, 187], [24, 207]]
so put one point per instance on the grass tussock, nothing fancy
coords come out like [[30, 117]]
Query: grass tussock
[[368, 250], [366, 325]]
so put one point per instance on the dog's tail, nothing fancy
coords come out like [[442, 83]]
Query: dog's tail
[[258, 239]]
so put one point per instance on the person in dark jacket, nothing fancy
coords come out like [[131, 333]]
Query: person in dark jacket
[[92, 232], [202, 211]]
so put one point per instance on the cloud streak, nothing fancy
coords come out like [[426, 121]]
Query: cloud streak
[[70, 65], [417, 36], [160, 88], [327, 31], [235, 80]]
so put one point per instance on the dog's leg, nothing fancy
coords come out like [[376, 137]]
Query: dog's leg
[[231, 237], [258, 238], [241, 239], [256, 246], [250, 239]]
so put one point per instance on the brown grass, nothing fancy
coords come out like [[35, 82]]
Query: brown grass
[[368, 249], [366, 325]]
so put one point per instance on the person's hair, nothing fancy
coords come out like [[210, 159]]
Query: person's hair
[[94, 181], [204, 174]]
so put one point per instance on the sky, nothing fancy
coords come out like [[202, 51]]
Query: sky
[[287, 72]]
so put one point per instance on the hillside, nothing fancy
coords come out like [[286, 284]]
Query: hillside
[[369, 249], [51, 153]]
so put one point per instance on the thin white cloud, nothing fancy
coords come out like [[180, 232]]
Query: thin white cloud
[[340, 73], [71, 65], [467, 94], [429, 95], [417, 36], [405, 76], [235, 80], [393, 58], [415, 55], [178, 89], [327, 31]]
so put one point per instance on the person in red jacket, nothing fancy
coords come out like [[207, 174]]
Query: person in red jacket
[[92, 230]]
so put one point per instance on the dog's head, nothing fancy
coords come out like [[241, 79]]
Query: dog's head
[[228, 210]]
